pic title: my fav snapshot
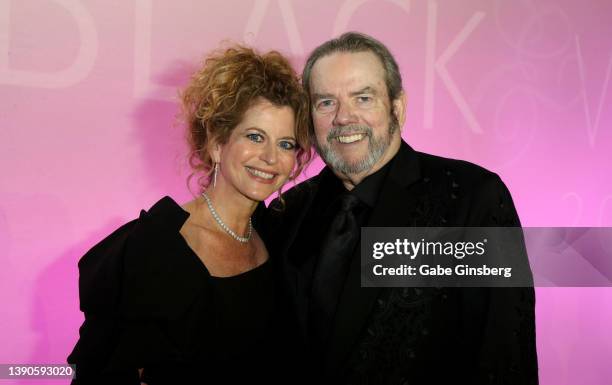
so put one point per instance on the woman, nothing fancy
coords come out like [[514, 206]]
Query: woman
[[185, 293]]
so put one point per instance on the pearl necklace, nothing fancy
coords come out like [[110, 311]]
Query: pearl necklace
[[225, 227]]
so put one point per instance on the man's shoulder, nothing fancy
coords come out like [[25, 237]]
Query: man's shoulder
[[283, 213], [297, 196], [304, 188], [462, 184], [437, 169]]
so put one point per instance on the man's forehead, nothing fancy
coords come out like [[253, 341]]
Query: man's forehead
[[352, 71]]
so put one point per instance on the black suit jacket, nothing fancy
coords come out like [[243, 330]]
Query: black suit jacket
[[411, 335]]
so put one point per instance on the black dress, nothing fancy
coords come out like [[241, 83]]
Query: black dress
[[149, 302]]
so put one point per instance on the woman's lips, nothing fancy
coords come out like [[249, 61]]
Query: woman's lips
[[260, 175]]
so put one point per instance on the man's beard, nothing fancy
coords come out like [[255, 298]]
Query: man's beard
[[376, 148]]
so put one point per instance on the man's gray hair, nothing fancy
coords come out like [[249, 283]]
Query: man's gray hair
[[357, 42]]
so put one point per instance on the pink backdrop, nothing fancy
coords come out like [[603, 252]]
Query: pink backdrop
[[87, 139]]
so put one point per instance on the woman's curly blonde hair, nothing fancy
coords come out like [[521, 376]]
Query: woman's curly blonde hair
[[221, 91]]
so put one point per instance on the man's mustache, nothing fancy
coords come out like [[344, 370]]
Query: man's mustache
[[348, 130]]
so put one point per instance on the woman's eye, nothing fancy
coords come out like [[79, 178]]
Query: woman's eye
[[285, 145], [257, 138]]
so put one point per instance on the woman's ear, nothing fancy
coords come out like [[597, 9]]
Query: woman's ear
[[214, 148]]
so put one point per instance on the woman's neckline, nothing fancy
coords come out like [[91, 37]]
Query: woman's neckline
[[185, 244], [241, 274]]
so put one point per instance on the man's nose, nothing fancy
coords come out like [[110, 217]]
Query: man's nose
[[345, 114]]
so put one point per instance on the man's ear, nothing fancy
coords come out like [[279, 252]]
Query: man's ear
[[399, 108]]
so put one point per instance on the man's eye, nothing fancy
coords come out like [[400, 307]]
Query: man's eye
[[257, 138], [286, 145], [325, 104], [364, 99]]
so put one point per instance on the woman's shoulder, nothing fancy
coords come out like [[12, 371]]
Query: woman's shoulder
[[162, 217], [139, 264], [131, 279], [166, 212]]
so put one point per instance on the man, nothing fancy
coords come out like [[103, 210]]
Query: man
[[351, 334]]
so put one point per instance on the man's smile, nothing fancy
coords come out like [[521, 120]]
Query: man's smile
[[345, 139]]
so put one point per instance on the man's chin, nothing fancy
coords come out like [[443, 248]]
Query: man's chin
[[348, 159], [349, 166], [353, 153]]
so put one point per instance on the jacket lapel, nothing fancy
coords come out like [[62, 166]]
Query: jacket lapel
[[393, 209]]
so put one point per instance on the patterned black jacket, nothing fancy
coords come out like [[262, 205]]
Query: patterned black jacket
[[410, 335]]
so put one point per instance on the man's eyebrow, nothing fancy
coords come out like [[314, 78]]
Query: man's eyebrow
[[316, 96], [364, 90]]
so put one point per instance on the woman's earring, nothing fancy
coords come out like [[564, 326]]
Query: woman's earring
[[215, 175]]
